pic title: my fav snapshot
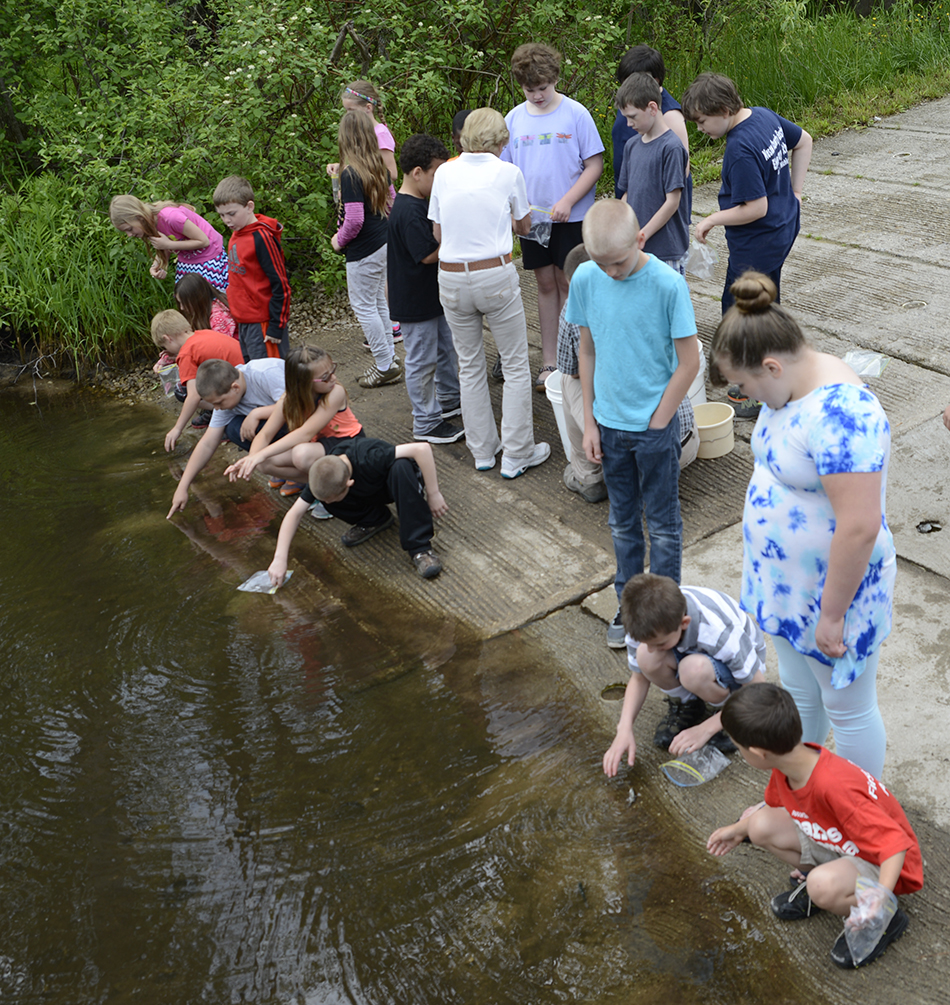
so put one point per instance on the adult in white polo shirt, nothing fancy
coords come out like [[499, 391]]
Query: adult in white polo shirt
[[474, 200]]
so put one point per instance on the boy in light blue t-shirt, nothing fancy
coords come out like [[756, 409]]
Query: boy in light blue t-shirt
[[637, 359]]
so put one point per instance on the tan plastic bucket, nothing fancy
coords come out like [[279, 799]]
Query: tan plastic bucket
[[714, 420]]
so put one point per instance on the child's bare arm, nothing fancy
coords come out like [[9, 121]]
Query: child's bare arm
[[585, 369], [188, 409], [723, 840], [200, 456], [734, 216], [593, 169], [195, 240], [891, 870], [624, 742], [800, 158], [421, 453], [288, 527], [663, 215], [260, 414]]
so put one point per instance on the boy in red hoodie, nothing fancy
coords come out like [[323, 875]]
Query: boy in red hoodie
[[258, 289]]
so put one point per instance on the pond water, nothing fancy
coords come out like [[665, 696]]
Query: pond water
[[210, 796]]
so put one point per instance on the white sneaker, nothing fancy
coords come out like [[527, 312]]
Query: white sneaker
[[512, 468], [486, 464]]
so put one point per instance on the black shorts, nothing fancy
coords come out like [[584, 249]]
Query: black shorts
[[564, 236]]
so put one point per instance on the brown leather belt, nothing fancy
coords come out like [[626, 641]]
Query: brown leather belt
[[486, 263]]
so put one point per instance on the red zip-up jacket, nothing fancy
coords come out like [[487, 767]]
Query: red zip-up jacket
[[258, 289]]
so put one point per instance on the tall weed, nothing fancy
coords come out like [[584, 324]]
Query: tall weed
[[71, 286]]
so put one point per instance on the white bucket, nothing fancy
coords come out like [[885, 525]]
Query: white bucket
[[714, 420], [552, 388], [697, 390]]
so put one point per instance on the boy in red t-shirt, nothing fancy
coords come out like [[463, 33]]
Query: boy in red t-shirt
[[172, 332], [828, 818]]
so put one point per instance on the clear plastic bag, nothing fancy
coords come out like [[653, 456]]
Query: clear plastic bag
[[260, 583], [869, 917], [540, 226], [866, 363], [168, 378], [696, 767], [702, 260]]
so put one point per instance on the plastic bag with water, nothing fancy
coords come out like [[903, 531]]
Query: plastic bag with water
[[260, 583], [696, 767], [702, 260], [168, 378], [540, 227], [869, 917], [866, 363]]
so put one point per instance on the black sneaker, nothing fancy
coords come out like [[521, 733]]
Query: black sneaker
[[496, 370], [679, 716], [722, 742], [358, 534], [841, 951], [744, 406], [201, 420], [450, 411], [794, 904], [444, 432]]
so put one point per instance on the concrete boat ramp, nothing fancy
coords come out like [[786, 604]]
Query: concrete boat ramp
[[870, 270]]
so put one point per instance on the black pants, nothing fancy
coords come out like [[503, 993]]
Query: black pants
[[404, 488]]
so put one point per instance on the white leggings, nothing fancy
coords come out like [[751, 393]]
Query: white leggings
[[851, 711]]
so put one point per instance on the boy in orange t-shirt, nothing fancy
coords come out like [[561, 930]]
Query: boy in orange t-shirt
[[172, 332]]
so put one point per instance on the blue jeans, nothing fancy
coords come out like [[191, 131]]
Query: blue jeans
[[641, 472]]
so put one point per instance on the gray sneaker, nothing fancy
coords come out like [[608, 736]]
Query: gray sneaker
[[374, 377], [319, 512], [591, 493], [427, 564], [616, 633]]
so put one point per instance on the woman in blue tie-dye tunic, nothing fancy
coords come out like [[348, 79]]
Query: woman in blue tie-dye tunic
[[818, 558]]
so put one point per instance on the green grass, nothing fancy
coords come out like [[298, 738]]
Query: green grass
[[71, 286], [827, 72]]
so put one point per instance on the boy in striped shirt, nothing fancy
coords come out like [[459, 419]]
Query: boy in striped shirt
[[697, 646]]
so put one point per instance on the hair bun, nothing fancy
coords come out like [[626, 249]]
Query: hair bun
[[753, 292]]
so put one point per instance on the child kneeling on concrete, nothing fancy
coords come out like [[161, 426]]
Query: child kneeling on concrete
[[697, 646], [355, 482], [829, 819]]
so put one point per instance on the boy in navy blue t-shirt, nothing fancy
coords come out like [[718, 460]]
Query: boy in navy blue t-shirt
[[413, 263], [763, 170]]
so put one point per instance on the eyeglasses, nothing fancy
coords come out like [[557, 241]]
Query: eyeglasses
[[326, 376]]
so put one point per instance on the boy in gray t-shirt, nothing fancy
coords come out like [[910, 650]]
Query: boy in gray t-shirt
[[654, 171]]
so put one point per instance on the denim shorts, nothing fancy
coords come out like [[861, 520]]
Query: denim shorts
[[723, 674]]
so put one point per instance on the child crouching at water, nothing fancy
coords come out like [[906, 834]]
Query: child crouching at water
[[356, 481], [317, 412], [830, 820], [697, 646], [180, 344]]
